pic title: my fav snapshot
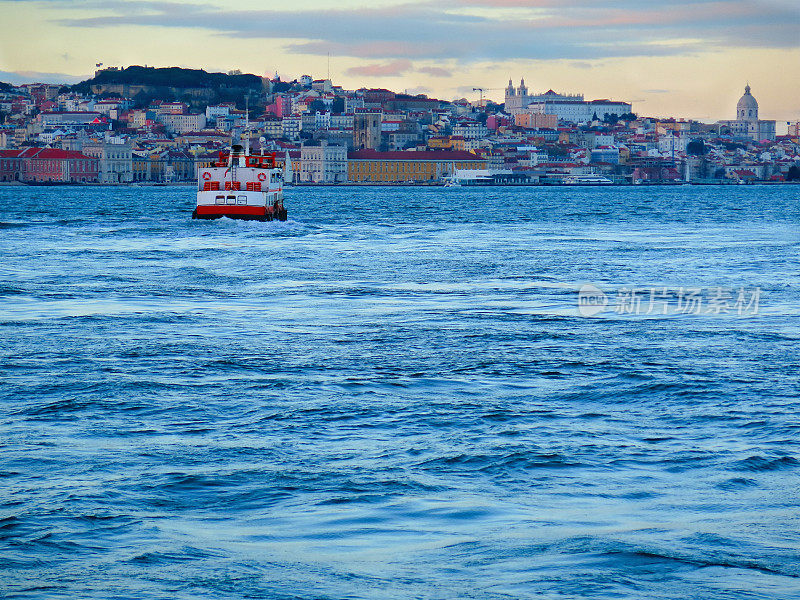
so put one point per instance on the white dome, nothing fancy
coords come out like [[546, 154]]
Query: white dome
[[747, 108]]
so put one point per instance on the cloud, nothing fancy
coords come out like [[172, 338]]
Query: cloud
[[392, 69], [479, 30], [435, 71]]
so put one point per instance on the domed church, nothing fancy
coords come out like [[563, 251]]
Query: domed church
[[747, 108], [747, 123]]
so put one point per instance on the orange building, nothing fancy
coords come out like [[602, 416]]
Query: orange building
[[536, 121]]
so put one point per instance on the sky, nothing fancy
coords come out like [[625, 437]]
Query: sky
[[682, 58]]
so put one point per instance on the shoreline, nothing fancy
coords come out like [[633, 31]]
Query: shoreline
[[420, 184]]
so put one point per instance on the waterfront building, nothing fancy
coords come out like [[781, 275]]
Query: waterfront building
[[115, 159], [409, 166], [323, 163], [47, 165]]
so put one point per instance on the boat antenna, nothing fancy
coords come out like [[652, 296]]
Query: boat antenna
[[247, 125]]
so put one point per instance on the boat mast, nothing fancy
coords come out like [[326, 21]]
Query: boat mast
[[247, 125]]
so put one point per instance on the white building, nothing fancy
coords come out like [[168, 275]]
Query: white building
[[116, 159], [323, 164], [215, 112], [351, 103], [291, 127], [322, 85], [581, 112], [673, 143], [344, 121], [182, 123], [322, 120], [567, 107], [518, 99], [747, 123], [272, 128], [470, 130]]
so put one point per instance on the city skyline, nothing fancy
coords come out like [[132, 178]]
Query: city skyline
[[687, 61]]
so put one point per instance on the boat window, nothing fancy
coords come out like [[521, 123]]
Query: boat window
[[231, 200], [220, 200], [241, 200]]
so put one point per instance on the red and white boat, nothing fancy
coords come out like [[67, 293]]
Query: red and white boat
[[241, 185]]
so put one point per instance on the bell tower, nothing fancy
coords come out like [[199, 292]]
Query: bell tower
[[510, 89]]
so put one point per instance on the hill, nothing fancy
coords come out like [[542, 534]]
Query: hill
[[174, 77], [171, 83]]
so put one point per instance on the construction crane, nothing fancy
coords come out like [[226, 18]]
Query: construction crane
[[481, 90]]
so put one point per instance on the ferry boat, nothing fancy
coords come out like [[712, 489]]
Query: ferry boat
[[590, 179], [241, 185]]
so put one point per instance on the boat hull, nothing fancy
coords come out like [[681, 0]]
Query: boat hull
[[245, 213]]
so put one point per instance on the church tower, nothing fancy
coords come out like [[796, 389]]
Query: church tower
[[510, 89], [522, 91]]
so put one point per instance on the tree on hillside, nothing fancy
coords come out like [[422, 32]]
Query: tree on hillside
[[696, 148], [793, 174], [317, 106], [611, 118]]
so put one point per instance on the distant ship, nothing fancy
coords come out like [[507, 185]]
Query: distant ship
[[586, 180], [241, 185]]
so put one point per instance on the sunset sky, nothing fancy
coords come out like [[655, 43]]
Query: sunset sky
[[689, 58]]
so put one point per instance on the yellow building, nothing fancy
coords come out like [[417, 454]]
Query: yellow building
[[401, 166], [439, 142], [451, 142], [140, 165]]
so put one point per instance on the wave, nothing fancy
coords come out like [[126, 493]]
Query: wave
[[759, 463], [731, 562]]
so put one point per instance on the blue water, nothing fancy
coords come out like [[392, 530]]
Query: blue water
[[394, 395]]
